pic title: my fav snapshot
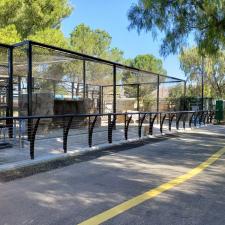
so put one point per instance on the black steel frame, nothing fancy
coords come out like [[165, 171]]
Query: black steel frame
[[85, 58], [9, 110], [138, 85], [151, 117], [196, 118]]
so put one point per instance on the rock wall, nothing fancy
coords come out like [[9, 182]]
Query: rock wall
[[42, 104], [126, 104]]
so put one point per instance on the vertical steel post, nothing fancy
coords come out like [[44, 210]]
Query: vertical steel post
[[72, 89], [100, 99], [138, 97], [84, 79], [114, 88], [29, 87], [54, 88], [202, 97], [184, 99], [19, 88], [10, 91], [157, 107]]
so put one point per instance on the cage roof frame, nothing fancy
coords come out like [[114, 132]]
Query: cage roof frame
[[82, 56]]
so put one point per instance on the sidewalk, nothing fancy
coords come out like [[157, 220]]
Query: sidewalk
[[49, 152]]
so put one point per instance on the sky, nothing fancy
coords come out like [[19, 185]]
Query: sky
[[111, 16]]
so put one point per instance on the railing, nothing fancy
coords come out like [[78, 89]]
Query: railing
[[25, 128]]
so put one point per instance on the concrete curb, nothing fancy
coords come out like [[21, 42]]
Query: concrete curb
[[25, 168]]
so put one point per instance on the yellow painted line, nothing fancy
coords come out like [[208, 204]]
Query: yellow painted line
[[108, 214]]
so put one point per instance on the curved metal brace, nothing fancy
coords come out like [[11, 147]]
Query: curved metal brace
[[191, 119], [151, 123], [126, 125], [184, 120], [204, 117], [32, 138], [207, 117], [171, 120], [90, 130], [211, 116], [140, 123], [195, 120], [201, 117], [65, 133], [111, 124], [178, 121], [161, 122]]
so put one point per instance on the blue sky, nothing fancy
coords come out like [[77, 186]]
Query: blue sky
[[112, 17]]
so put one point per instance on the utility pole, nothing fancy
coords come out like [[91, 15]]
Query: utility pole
[[202, 97]]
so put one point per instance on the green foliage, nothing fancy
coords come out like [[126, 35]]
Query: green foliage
[[9, 35], [40, 21], [145, 62], [149, 103], [213, 69], [176, 97], [92, 42], [178, 19], [50, 36], [115, 55], [30, 17], [96, 43], [149, 63], [176, 91]]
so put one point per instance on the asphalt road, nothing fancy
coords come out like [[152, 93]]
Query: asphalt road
[[72, 194]]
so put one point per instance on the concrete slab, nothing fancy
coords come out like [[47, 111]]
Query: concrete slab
[[50, 148], [72, 194]]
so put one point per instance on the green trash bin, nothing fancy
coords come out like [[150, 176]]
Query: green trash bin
[[219, 110]]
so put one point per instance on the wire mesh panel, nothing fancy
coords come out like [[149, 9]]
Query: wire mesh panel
[[170, 92], [107, 99], [148, 93], [4, 94], [57, 81], [4, 78], [100, 130], [139, 89], [127, 91], [97, 76], [20, 74], [64, 82]]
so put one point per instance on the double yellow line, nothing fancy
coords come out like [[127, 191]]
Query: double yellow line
[[108, 214]]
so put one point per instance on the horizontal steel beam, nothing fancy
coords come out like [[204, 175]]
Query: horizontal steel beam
[[82, 56], [98, 114]]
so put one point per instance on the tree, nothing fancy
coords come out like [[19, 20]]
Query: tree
[[144, 62], [26, 18], [177, 19], [9, 35], [50, 36], [115, 55], [213, 69], [149, 63], [148, 82], [97, 43], [88, 41]]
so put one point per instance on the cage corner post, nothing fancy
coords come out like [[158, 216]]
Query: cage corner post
[[84, 79], [114, 88], [157, 104], [10, 92], [185, 93], [29, 87], [138, 97]]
